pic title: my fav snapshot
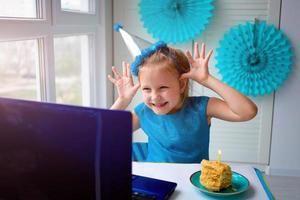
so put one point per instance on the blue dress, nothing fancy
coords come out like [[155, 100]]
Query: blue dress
[[181, 137]]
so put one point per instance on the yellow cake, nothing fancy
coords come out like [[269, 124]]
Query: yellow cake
[[215, 175]]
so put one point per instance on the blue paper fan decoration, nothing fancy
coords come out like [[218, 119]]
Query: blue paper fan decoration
[[254, 58], [175, 21]]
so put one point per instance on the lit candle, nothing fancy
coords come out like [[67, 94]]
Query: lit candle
[[219, 155]]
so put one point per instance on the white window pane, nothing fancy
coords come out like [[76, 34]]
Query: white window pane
[[71, 69], [18, 8], [84, 6], [19, 61]]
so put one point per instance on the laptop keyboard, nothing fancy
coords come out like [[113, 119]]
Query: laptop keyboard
[[142, 196]]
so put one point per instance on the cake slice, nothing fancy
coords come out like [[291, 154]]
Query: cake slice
[[215, 175]]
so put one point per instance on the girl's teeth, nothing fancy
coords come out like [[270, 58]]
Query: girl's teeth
[[160, 105]]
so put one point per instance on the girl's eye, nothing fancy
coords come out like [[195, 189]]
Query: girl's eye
[[146, 89], [164, 87]]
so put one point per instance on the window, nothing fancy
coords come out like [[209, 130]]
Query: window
[[19, 66], [84, 6], [19, 8], [48, 48], [71, 69]]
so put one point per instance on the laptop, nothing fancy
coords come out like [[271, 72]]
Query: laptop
[[58, 152], [52, 151]]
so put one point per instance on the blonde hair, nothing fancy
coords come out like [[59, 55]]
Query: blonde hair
[[173, 59]]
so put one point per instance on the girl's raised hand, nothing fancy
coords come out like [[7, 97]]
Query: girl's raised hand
[[124, 83], [199, 64]]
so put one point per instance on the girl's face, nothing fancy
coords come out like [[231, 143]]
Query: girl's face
[[161, 89]]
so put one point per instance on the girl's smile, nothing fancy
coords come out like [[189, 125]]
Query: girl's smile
[[160, 105]]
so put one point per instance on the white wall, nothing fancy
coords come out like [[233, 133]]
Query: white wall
[[285, 146]]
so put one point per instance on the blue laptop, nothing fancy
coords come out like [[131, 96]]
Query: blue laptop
[[58, 152]]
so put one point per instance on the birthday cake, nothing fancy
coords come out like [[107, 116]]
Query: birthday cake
[[215, 175]]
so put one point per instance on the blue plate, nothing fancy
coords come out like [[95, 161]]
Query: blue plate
[[239, 184]]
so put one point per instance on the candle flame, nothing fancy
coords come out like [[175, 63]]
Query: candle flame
[[219, 155]]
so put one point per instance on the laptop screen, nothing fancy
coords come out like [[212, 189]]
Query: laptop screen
[[51, 151]]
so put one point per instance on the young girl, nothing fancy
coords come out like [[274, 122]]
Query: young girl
[[177, 126]]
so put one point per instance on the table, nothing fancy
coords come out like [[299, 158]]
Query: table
[[180, 173]]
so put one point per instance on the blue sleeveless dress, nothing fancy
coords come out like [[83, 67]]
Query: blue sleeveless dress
[[181, 137]]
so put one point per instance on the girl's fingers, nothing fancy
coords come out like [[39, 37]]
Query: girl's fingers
[[136, 87], [111, 79], [196, 50], [183, 76], [124, 68], [208, 55], [202, 54], [128, 72], [189, 56], [116, 73]]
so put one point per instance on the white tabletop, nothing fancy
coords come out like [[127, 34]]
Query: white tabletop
[[180, 174]]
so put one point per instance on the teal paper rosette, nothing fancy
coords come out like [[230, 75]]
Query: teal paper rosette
[[254, 58], [175, 21]]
